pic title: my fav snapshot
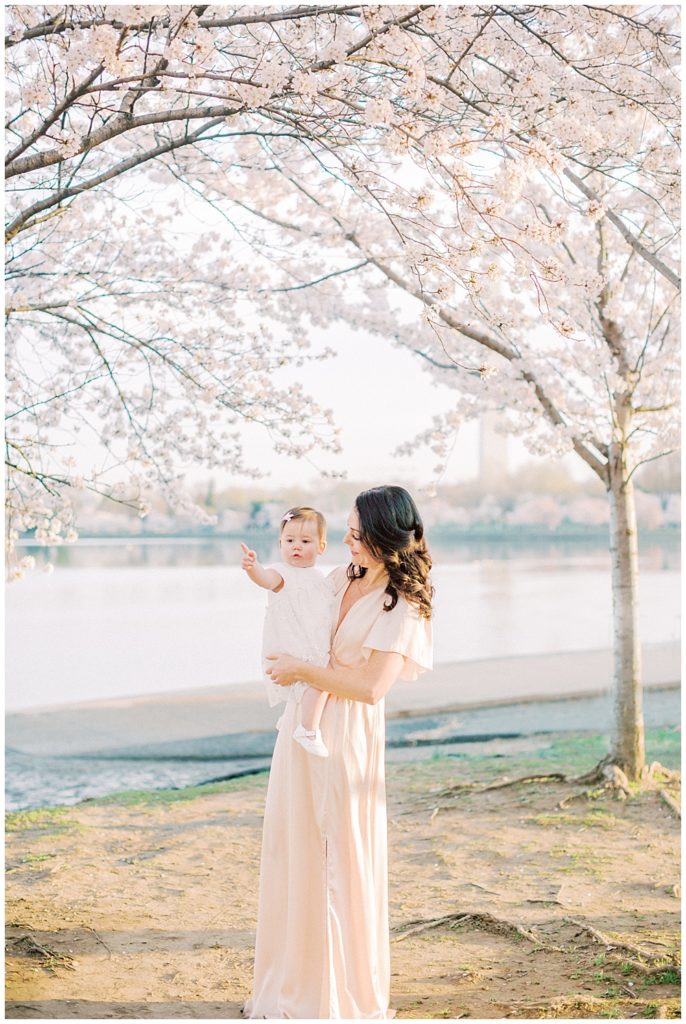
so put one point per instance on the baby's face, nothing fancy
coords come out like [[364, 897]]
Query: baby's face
[[300, 543]]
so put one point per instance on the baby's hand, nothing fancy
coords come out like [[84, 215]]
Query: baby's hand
[[249, 559]]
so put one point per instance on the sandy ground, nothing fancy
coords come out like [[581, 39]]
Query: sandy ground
[[143, 905]]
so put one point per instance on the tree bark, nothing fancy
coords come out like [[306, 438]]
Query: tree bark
[[628, 750]]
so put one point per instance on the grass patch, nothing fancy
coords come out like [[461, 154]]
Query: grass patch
[[578, 752], [595, 818], [42, 819], [651, 1010], [571, 753], [670, 976], [161, 797], [597, 1008]]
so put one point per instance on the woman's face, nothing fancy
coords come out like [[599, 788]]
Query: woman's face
[[359, 554]]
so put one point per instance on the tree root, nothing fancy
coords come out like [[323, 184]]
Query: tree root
[[100, 940], [596, 774], [550, 777], [488, 921], [476, 788], [607, 771], [670, 801], [606, 774], [656, 769], [49, 958], [609, 943], [605, 778], [650, 972]]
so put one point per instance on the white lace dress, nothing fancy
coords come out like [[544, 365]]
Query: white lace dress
[[298, 621]]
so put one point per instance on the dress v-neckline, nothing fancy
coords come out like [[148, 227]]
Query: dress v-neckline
[[356, 602]]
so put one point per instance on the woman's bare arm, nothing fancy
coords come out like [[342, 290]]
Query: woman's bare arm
[[367, 683]]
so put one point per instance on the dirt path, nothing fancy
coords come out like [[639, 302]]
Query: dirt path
[[144, 905]]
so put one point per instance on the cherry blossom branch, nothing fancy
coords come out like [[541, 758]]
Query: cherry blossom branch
[[54, 398], [24, 219], [585, 189], [70, 98], [491, 343], [117, 126], [628, 237], [47, 479], [316, 281], [55, 27], [511, 12], [124, 122], [610, 329], [652, 458]]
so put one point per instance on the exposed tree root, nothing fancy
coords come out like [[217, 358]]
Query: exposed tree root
[[49, 958], [101, 941], [459, 787], [550, 777], [659, 769], [670, 801], [605, 778], [596, 774], [649, 972], [475, 787], [606, 774], [488, 921], [611, 778], [609, 943], [607, 771]]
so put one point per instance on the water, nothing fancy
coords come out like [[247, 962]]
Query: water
[[32, 781], [45, 781], [129, 618]]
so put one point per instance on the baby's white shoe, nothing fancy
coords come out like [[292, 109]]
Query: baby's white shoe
[[311, 740]]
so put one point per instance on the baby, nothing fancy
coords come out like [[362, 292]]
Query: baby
[[299, 614]]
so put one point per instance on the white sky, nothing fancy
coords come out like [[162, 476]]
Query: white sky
[[381, 397]]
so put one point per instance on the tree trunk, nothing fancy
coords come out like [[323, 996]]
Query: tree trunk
[[628, 751]]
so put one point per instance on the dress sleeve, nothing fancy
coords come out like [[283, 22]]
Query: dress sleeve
[[284, 572], [403, 631], [338, 578]]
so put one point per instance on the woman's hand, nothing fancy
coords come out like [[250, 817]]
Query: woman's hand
[[285, 670]]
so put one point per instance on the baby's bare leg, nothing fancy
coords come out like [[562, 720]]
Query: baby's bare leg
[[312, 706]]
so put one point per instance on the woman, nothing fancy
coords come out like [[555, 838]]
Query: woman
[[322, 946]]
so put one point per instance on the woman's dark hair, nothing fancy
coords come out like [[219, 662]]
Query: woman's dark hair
[[392, 531]]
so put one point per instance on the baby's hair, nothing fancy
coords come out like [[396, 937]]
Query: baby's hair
[[307, 513]]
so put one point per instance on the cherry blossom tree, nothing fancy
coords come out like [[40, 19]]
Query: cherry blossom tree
[[512, 169], [542, 249]]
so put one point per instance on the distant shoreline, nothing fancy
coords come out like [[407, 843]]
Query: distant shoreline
[[442, 533]]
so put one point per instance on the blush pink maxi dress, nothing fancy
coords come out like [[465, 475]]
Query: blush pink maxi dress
[[322, 947]]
